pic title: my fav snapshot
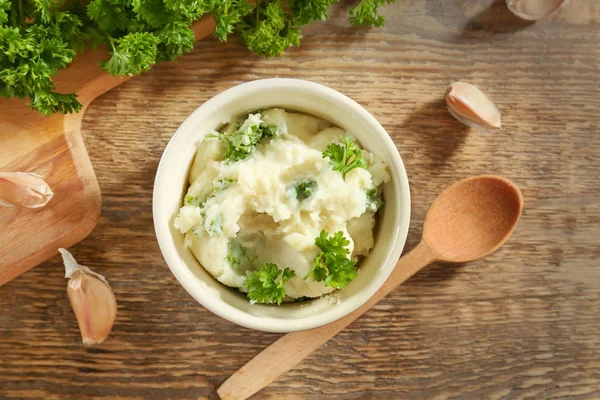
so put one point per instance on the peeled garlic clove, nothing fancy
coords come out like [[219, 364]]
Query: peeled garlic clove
[[470, 106], [24, 189], [532, 10], [92, 299]]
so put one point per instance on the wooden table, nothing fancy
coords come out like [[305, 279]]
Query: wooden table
[[523, 323]]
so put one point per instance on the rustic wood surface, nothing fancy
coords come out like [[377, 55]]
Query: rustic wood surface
[[523, 323], [53, 148]]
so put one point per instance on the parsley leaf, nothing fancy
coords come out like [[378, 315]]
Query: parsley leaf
[[175, 38], [228, 14], [366, 13], [267, 284], [48, 102], [345, 157], [109, 15], [133, 54], [307, 11], [332, 265], [151, 12], [266, 32], [4, 7]]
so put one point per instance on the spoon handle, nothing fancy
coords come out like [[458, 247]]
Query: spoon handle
[[292, 348]]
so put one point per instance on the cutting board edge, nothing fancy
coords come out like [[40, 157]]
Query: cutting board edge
[[71, 123], [93, 204]]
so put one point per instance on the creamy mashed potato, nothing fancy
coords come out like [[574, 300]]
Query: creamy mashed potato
[[267, 205]]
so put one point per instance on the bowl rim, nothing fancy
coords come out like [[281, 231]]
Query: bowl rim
[[182, 271]]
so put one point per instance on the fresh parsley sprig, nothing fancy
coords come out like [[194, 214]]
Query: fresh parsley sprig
[[345, 156], [267, 284], [332, 265]]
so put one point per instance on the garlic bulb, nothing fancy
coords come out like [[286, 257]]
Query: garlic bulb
[[470, 106], [24, 189], [532, 10], [92, 299]]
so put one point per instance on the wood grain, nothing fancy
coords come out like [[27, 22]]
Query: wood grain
[[467, 221], [53, 147], [521, 324]]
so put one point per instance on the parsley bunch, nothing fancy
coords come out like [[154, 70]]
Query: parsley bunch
[[32, 52], [332, 265], [305, 188], [39, 37]]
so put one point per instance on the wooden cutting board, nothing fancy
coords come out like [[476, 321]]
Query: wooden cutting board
[[53, 147]]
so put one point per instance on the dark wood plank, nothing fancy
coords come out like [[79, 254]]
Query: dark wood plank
[[521, 324]]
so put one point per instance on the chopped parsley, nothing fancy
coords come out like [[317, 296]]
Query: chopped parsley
[[218, 186], [305, 188], [332, 265], [345, 156], [194, 201], [215, 227], [267, 284], [242, 142], [374, 200], [236, 253]]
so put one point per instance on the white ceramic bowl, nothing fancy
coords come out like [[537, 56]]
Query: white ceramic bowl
[[307, 97]]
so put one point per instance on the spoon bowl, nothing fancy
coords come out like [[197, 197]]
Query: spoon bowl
[[472, 218]]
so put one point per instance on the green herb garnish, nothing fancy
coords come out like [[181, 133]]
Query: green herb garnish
[[242, 142], [266, 284], [345, 157], [366, 13], [236, 253], [215, 228], [305, 188], [374, 200], [332, 265]]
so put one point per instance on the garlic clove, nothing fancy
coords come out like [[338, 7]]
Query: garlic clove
[[532, 10], [92, 300], [24, 189], [470, 106]]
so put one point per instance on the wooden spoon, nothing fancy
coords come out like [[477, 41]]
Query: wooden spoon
[[467, 221]]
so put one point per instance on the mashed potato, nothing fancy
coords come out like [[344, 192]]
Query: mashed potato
[[256, 200]]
